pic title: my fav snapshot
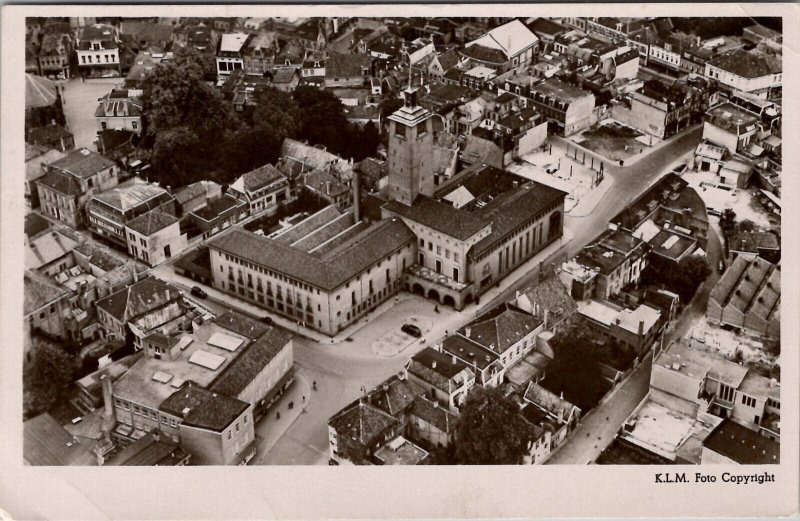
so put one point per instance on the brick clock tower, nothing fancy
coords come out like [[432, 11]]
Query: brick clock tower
[[410, 151]]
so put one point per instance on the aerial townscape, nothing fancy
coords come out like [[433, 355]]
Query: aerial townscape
[[402, 241]]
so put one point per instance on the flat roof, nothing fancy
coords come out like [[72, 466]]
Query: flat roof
[[400, 451], [138, 385]]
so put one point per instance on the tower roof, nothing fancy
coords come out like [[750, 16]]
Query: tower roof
[[410, 114]]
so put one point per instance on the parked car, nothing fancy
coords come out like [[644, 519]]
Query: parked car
[[198, 292], [267, 320], [680, 169], [412, 330]]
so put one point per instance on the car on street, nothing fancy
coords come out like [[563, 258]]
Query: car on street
[[198, 292], [267, 320], [680, 169], [412, 330]]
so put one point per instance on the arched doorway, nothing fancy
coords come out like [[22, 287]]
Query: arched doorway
[[418, 289], [449, 301], [433, 295]]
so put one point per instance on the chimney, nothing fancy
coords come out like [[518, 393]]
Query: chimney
[[357, 196], [641, 327], [546, 318], [454, 360], [433, 365], [328, 187], [109, 416], [53, 122], [467, 331]]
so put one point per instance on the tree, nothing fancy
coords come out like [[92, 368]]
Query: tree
[[746, 225], [322, 120], [691, 272], [248, 148], [491, 430], [277, 111], [50, 371], [575, 369], [727, 221]]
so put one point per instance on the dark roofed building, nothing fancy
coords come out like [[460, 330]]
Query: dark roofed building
[[46, 443], [347, 70], [52, 136], [202, 408], [242, 324], [358, 431], [732, 443], [152, 449]]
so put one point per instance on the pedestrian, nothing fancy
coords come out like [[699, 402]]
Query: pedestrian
[[278, 415], [304, 399]]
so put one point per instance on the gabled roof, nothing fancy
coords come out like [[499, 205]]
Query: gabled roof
[[138, 298], [61, 182], [243, 369], [550, 402], [133, 195], [83, 163], [484, 54], [437, 368], [501, 331], [434, 414], [40, 291], [39, 91], [206, 409], [242, 324], [439, 216], [48, 134], [257, 179], [745, 282], [151, 222], [742, 445], [394, 396], [340, 65], [362, 423], [510, 38], [46, 248], [331, 270]]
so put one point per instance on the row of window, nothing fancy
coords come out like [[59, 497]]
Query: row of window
[[456, 256], [236, 427], [87, 59]]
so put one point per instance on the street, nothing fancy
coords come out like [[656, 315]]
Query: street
[[342, 368]]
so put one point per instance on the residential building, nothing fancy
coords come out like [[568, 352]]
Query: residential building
[[155, 237], [217, 215], [547, 409], [328, 188], [444, 379], [119, 110], [52, 136], [45, 306], [546, 30], [442, 62], [230, 54], [567, 108], [509, 46], [36, 156], [262, 189], [347, 70], [196, 195], [731, 126], [633, 330], [748, 296], [49, 253], [704, 382], [603, 268], [98, 51], [358, 431], [71, 182], [110, 211], [750, 71], [56, 50], [145, 305], [657, 109]]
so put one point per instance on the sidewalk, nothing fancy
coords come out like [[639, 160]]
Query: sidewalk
[[634, 158], [270, 428], [385, 318]]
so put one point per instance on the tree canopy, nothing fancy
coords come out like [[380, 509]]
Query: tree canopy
[[49, 372], [491, 430]]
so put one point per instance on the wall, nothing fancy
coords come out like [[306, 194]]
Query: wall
[[532, 139], [675, 382]]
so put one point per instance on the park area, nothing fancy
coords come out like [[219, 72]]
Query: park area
[[612, 139]]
